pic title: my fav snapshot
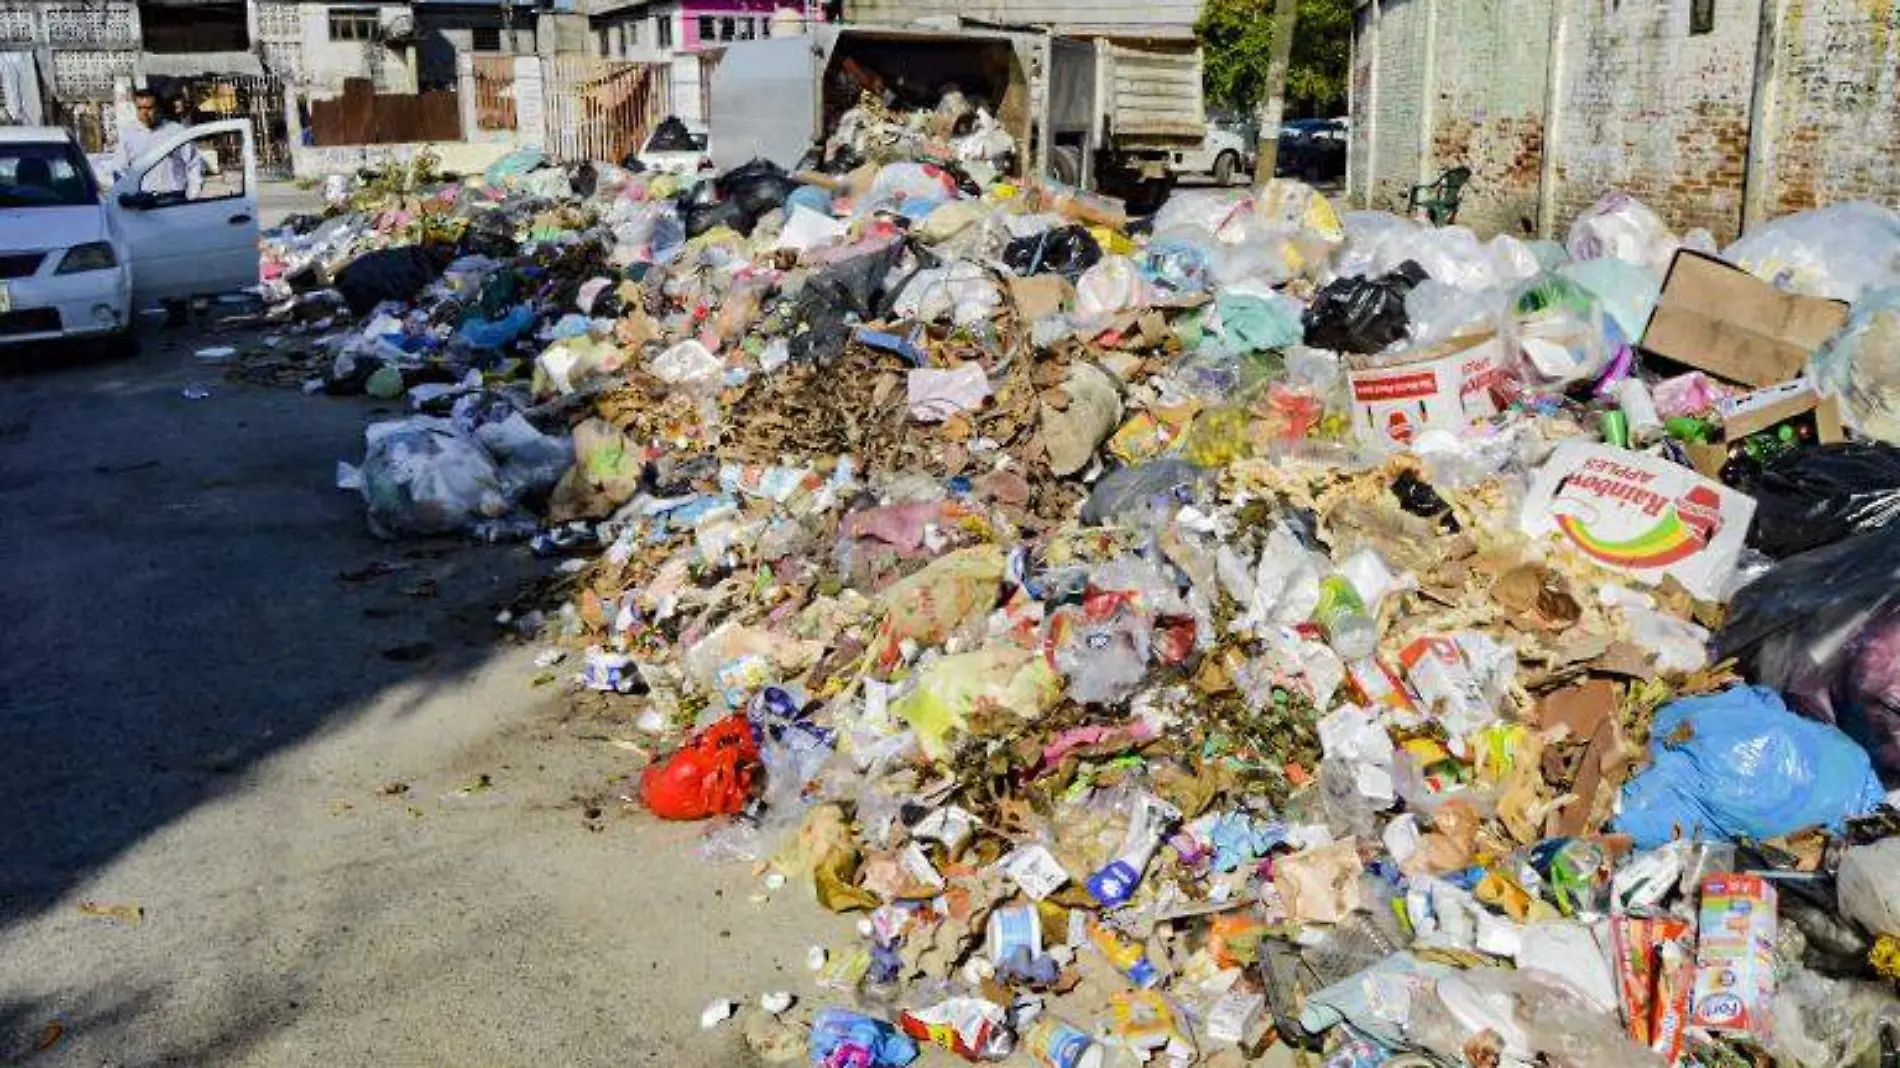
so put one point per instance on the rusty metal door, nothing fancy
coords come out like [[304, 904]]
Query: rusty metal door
[[495, 92]]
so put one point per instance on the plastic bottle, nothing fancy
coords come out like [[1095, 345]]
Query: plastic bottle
[[1091, 209], [1341, 613], [1129, 958], [1640, 409], [1115, 882]]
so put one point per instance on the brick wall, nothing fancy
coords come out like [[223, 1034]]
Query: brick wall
[[1359, 139], [1650, 109], [1641, 104], [1489, 113], [1402, 59], [1837, 105]]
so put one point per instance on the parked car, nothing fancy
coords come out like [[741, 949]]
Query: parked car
[[1225, 155], [676, 148], [77, 259], [1313, 150]]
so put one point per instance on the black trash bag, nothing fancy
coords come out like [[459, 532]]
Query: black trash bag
[[1417, 496], [584, 178], [736, 199], [1067, 251], [965, 184], [845, 160], [302, 223], [848, 289], [488, 234], [349, 377], [1816, 496], [1362, 315], [1824, 629], [699, 218], [671, 135], [305, 280], [385, 274], [758, 186]]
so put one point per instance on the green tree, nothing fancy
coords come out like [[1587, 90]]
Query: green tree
[[1237, 39]]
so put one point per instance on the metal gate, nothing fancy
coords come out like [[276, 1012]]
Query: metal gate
[[603, 109], [258, 98], [254, 97]]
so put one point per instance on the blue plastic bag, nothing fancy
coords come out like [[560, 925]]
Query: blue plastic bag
[[1740, 764], [841, 1037], [494, 333]]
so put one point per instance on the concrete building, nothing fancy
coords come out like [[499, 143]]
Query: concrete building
[[688, 35], [445, 28], [315, 47], [1717, 113], [64, 59]]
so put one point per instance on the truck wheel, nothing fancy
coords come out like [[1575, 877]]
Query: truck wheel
[[1150, 194], [1224, 168], [1065, 162]]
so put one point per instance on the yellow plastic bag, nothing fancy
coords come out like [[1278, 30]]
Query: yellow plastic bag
[[1219, 437], [953, 688]]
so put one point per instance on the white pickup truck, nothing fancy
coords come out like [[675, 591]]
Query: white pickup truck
[[1224, 155]]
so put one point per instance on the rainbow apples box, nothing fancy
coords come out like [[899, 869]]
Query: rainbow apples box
[[1639, 515]]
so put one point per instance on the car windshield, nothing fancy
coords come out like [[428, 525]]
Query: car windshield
[[45, 174]]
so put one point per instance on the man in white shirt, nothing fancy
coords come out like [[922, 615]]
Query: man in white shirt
[[183, 171]]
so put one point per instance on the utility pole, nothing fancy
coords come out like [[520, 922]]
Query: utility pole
[[1285, 14]]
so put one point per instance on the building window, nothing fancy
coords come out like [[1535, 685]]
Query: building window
[[707, 24], [1701, 17], [485, 38], [765, 27], [629, 37], [745, 29], [354, 24], [663, 30]]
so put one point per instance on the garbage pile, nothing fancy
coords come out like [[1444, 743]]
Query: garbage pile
[[1248, 625]]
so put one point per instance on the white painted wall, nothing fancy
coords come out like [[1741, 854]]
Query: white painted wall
[[645, 48], [327, 63]]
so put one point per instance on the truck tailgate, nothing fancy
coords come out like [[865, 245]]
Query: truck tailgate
[[1155, 94]]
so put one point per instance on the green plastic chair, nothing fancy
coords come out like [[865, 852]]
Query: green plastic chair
[[1440, 197]]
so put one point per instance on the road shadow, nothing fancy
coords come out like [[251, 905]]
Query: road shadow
[[186, 594]]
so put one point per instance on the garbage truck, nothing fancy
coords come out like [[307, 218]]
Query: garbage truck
[[1093, 112]]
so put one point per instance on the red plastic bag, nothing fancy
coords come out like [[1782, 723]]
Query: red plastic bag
[[712, 774]]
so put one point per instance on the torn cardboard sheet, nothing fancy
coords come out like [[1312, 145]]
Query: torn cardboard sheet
[[1718, 318], [1812, 418]]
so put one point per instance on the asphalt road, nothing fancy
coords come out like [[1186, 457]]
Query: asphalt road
[[254, 813]]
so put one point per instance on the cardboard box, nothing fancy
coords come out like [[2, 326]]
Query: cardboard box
[[1639, 515], [1718, 318], [1766, 409], [1735, 957], [1445, 387]]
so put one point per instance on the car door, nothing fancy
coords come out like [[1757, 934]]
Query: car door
[[187, 210]]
